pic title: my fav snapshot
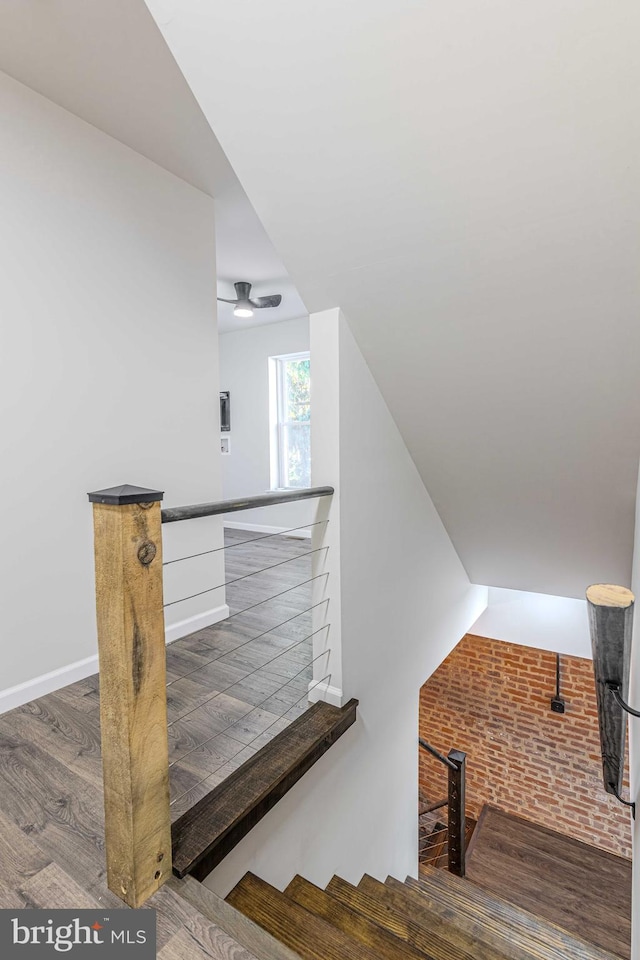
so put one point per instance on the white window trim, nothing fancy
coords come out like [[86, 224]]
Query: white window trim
[[276, 421]]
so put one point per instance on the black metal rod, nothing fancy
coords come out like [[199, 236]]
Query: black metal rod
[[626, 803], [456, 828], [614, 688], [434, 753], [195, 510], [558, 676]]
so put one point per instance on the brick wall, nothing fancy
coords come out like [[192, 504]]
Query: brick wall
[[492, 700]]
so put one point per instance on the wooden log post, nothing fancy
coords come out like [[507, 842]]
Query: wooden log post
[[457, 819], [610, 622], [133, 698]]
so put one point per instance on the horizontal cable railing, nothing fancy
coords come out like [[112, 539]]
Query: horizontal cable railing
[[214, 778], [441, 842], [232, 686]]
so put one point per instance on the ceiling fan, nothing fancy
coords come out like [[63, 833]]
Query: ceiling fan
[[244, 305]]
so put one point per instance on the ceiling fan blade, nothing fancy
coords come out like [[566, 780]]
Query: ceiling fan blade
[[227, 301], [273, 301]]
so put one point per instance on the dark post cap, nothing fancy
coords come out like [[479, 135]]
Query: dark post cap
[[125, 493]]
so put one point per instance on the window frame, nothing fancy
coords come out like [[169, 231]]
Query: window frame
[[277, 419]]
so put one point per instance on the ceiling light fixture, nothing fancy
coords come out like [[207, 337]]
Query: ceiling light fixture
[[244, 305]]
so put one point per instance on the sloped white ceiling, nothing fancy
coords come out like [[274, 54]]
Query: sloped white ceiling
[[462, 179]]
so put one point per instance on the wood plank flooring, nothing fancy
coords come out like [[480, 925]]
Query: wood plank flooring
[[581, 888], [226, 699]]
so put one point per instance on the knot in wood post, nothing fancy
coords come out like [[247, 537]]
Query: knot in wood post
[[133, 701], [147, 552]]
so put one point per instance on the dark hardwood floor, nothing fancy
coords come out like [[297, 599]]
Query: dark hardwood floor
[[581, 888], [231, 688]]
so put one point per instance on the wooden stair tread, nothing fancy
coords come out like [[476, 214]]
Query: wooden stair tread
[[306, 934], [541, 842], [204, 835], [243, 930], [580, 888], [546, 840], [386, 945], [382, 907], [497, 921]]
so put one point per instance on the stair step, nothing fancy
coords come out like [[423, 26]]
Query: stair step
[[465, 892], [381, 907], [580, 888], [207, 832], [386, 945], [243, 930], [306, 934], [186, 932], [494, 921]]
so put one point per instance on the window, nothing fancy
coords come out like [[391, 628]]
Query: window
[[290, 407]]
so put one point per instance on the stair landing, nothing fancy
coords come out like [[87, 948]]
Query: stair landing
[[569, 883]]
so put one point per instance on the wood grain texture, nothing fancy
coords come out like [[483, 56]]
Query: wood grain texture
[[20, 857], [210, 829], [133, 708], [184, 945], [582, 889], [307, 935], [53, 889], [413, 924], [385, 944], [497, 922], [51, 799], [610, 610], [237, 925]]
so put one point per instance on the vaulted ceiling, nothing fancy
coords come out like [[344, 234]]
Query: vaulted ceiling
[[462, 179]]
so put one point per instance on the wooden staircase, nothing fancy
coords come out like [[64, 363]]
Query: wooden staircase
[[438, 917]]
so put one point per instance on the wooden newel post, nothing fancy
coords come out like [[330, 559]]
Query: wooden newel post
[[457, 819], [133, 698]]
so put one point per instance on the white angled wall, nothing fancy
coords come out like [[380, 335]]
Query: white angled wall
[[244, 371], [539, 620], [406, 601], [108, 369]]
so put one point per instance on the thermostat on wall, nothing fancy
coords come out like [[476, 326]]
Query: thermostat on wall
[[225, 445]]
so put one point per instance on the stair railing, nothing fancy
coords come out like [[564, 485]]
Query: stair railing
[[133, 671], [455, 762]]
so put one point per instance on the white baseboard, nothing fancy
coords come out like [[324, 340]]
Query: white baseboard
[[50, 682], [47, 683], [303, 532], [201, 620], [324, 691]]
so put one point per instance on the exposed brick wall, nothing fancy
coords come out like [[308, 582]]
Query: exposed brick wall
[[492, 700]]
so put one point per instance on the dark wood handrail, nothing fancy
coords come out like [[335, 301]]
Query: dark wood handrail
[[193, 511]]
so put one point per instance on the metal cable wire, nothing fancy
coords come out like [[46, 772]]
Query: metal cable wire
[[219, 692], [255, 573], [242, 543], [257, 737], [245, 715], [220, 585], [207, 663]]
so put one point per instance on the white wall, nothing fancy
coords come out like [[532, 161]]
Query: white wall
[[537, 620], [634, 738], [406, 601], [244, 371], [108, 369]]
